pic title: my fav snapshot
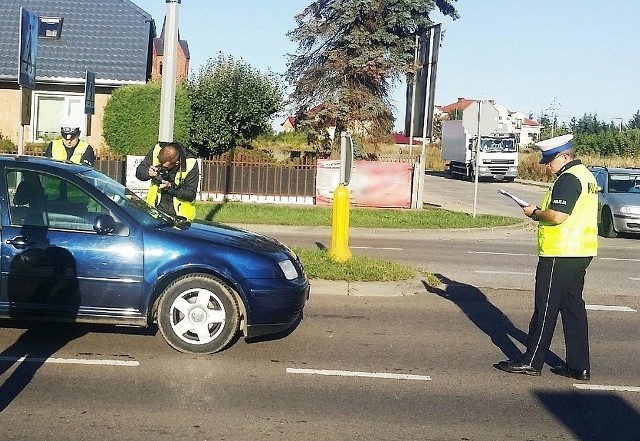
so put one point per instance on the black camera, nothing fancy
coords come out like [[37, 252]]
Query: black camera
[[162, 175]]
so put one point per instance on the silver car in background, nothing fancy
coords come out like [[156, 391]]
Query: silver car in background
[[618, 200]]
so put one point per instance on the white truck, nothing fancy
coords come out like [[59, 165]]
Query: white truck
[[498, 150]]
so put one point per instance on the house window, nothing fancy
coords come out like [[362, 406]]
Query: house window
[[50, 27], [518, 123], [50, 108]]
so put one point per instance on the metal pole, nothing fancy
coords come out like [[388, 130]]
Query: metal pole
[[427, 91], [416, 69], [475, 164], [20, 126], [169, 63]]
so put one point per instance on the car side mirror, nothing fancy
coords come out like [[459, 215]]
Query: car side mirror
[[104, 224]]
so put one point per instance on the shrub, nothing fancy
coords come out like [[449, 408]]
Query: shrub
[[6, 145], [132, 115]]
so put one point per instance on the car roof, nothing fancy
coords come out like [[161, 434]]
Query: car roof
[[631, 170], [9, 160]]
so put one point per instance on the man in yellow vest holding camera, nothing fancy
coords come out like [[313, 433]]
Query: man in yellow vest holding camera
[[174, 174], [70, 147], [567, 242]]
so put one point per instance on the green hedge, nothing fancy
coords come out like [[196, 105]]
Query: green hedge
[[609, 143], [132, 114]]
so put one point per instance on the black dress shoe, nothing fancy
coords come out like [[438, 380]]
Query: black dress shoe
[[516, 367], [582, 375]]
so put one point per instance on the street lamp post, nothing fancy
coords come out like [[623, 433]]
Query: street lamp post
[[169, 62], [620, 123]]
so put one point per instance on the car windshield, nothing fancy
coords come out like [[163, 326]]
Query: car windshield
[[128, 200], [624, 183], [497, 145]]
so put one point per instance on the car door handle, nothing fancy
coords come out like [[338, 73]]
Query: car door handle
[[19, 242]]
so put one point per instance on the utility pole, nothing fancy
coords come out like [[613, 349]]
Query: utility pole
[[553, 107], [169, 63]]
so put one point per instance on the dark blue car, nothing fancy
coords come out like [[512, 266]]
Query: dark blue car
[[79, 246]]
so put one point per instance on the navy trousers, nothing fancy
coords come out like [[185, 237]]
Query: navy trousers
[[559, 285]]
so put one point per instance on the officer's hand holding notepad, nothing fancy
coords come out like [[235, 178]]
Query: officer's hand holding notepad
[[515, 198]]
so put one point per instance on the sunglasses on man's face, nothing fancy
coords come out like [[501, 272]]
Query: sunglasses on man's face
[[556, 157]]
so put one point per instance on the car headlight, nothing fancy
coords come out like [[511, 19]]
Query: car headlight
[[288, 269], [630, 209]]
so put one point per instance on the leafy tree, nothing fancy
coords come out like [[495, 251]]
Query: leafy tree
[[232, 103], [132, 118], [634, 122], [609, 143], [349, 54], [589, 124]]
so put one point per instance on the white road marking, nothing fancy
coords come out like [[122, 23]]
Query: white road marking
[[338, 373], [637, 279], [607, 388], [379, 248], [609, 308], [517, 273], [85, 361], [620, 259], [500, 254], [535, 255]]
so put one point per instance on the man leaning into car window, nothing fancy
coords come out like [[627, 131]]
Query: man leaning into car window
[[173, 171]]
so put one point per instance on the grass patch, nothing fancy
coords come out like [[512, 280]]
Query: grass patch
[[268, 214], [318, 265]]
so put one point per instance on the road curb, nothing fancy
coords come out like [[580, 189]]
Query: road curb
[[368, 289]]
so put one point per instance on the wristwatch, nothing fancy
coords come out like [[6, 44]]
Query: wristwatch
[[533, 214]]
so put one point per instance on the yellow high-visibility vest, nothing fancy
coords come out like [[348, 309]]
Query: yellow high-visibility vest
[[577, 236], [183, 208], [59, 151]]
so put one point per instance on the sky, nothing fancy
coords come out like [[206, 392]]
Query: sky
[[566, 58]]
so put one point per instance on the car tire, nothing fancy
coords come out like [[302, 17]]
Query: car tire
[[198, 314], [606, 221]]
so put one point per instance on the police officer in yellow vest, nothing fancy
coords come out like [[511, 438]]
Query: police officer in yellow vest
[[174, 175], [70, 147], [567, 242]]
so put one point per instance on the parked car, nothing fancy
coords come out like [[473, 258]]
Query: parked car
[[78, 246], [618, 200]]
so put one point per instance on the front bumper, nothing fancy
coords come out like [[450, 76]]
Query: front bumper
[[275, 309], [498, 172], [624, 223]]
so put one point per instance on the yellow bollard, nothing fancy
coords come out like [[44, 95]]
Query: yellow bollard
[[339, 251]]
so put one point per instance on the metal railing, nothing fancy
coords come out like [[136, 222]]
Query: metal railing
[[240, 178]]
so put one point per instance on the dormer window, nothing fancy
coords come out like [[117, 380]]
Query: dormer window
[[50, 27]]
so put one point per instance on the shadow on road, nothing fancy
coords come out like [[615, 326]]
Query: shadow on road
[[30, 352], [593, 416], [487, 317]]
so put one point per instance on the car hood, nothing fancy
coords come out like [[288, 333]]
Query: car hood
[[621, 199], [227, 235]]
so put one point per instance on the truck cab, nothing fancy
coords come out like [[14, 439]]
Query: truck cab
[[497, 157]]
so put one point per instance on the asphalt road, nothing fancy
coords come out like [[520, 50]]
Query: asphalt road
[[459, 195], [415, 367], [396, 368]]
